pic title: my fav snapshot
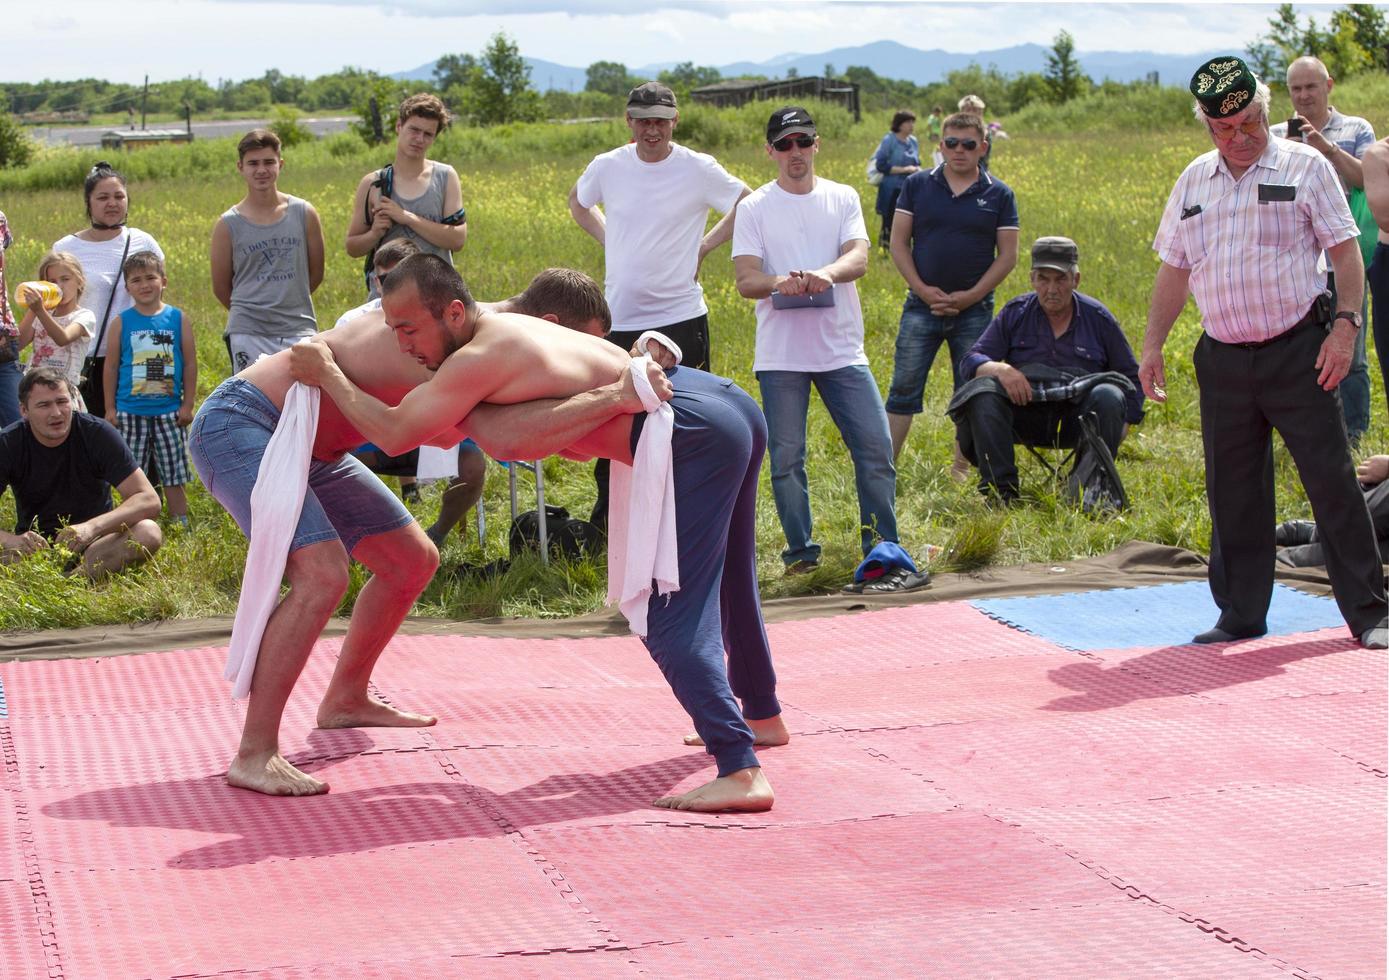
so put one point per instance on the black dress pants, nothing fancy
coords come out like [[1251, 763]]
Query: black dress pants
[[1246, 394]]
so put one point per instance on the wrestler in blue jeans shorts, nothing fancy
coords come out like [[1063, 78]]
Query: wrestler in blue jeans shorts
[[344, 501]]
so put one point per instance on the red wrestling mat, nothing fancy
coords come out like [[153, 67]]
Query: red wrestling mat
[[959, 798]]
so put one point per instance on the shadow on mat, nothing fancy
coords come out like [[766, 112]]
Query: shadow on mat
[[347, 822], [1178, 671]]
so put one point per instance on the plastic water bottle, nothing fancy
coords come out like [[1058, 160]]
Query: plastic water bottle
[[51, 293]]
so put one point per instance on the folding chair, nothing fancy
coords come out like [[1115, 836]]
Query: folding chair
[[1054, 469], [539, 471]]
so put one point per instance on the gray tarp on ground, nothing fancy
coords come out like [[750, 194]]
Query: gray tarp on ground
[[1132, 564]]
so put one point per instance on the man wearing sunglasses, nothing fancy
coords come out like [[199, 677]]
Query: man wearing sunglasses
[[1242, 232], [798, 245], [954, 238]]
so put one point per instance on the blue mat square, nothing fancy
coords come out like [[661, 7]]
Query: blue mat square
[[1155, 615]]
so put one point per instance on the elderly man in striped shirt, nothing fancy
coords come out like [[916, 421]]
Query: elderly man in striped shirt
[[1242, 231]]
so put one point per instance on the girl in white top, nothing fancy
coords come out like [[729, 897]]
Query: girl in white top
[[60, 337]]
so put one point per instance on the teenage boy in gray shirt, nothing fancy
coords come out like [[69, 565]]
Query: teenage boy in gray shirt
[[267, 258]]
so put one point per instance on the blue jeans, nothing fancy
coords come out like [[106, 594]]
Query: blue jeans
[[1377, 278], [1355, 387], [851, 396], [9, 392], [343, 501], [919, 336]]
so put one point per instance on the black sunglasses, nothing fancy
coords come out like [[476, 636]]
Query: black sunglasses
[[953, 141], [784, 144]]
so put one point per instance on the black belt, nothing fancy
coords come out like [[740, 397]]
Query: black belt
[[1309, 320]]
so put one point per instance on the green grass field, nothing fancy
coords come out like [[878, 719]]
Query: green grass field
[[1104, 188]]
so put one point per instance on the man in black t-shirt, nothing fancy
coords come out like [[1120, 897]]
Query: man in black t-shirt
[[62, 465]]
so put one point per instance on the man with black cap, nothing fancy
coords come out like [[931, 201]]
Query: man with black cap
[[656, 196], [1074, 337], [1242, 231], [799, 245]]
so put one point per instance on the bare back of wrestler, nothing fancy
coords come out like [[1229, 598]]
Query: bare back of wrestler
[[495, 377], [509, 359]]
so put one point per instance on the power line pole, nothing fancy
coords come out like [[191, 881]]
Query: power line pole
[[144, 99]]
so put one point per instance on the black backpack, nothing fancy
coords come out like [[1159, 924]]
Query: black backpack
[[568, 537], [1094, 480]]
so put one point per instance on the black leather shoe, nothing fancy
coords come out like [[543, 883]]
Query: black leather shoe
[[1217, 635]]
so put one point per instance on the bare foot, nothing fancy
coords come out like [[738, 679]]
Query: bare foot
[[370, 713], [765, 731], [273, 776], [744, 791]]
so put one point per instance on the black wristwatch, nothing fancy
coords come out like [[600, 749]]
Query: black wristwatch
[[1350, 315]]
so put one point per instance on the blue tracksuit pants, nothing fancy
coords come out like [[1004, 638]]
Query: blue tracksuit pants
[[719, 440]]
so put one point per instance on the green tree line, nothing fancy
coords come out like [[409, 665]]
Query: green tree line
[[494, 85]]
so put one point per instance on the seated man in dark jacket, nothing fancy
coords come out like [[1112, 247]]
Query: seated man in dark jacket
[[1298, 542], [1052, 334], [62, 465]]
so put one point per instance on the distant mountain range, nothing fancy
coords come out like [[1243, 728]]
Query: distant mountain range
[[893, 60]]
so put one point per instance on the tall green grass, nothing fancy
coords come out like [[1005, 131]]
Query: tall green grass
[[1105, 192]]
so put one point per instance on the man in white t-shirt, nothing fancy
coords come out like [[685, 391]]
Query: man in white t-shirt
[[655, 196], [798, 245]]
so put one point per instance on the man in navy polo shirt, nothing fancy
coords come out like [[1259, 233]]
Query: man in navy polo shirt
[[954, 238], [1065, 330]]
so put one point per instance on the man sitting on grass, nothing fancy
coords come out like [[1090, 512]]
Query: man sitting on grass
[[62, 465]]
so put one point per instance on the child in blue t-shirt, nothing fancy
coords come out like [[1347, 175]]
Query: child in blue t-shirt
[[151, 382]]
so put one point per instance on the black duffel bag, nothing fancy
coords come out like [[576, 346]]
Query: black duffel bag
[[568, 537]]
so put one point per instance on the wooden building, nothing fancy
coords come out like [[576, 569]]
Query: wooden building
[[738, 91]]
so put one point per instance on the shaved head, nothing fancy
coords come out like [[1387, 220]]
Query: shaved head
[[1308, 63]]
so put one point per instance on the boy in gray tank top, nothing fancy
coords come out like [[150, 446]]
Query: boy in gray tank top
[[267, 258], [414, 197]]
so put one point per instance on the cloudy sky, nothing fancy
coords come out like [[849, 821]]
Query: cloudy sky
[[243, 38]]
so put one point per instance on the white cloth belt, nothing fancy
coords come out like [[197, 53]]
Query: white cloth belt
[[276, 502], [642, 546], [661, 339]]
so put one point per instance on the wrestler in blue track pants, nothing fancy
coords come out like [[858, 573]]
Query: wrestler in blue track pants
[[719, 440]]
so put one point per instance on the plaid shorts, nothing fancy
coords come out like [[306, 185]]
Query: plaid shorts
[[160, 438]]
